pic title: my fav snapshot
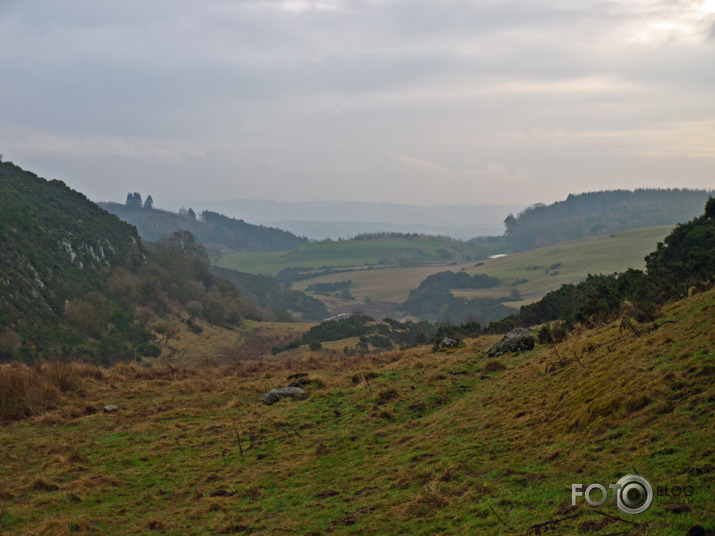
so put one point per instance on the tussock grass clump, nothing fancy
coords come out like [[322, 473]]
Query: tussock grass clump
[[493, 365], [385, 396], [25, 392], [28, 391], [42, 484]]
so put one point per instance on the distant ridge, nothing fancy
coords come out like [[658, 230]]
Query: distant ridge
[[318, 220], [209, 228]]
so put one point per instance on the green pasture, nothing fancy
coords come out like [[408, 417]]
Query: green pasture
[[355, 253], [536, 272], [531, 274]]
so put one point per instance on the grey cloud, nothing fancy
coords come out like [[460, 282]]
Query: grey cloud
[[262, 101]]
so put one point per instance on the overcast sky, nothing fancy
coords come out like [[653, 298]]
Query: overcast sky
[[405, 101]]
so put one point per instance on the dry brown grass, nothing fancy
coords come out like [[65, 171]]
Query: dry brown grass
[[32, 391], [26, 391]]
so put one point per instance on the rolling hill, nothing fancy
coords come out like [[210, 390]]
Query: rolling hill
[[376, 251]]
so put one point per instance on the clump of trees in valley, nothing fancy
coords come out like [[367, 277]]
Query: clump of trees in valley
[[272, 301], [434, 300], [340, 289]]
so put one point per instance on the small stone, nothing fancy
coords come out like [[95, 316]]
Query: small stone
[[110, 408]]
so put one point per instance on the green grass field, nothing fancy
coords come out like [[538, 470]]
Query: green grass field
[[397, 443], [548, 268], [355, 253]]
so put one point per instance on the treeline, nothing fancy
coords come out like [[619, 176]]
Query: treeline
[[293, 274], [597, 213], [388, 235], [376, 336], [208, 227], [685, 259], [340, 289]]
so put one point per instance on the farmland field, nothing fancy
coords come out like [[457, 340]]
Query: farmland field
[[356, 253], [525, 276]]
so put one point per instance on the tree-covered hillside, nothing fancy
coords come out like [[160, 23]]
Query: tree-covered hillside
[[273, 301], [209, 227], [76, 282], [56, 245], [598, 213]]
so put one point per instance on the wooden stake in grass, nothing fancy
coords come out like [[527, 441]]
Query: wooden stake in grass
[[548, 525], [294, 430], [238, 439], [577, 359], [499, 518]]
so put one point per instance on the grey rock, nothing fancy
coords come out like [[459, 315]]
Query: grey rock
[[274, 395], [445, 342], [110, 408], [517, 340]]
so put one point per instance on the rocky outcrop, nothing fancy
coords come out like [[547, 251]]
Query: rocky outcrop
[[517, 340]]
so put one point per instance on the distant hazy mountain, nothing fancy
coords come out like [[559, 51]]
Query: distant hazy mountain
[[343, 219]]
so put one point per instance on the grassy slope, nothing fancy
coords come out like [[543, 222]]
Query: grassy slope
[[435, 444], [348, 253], [596, 255]]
